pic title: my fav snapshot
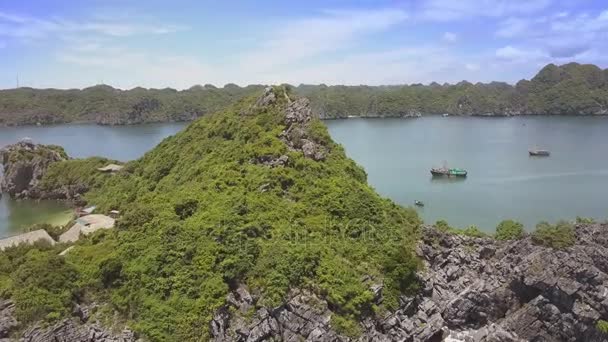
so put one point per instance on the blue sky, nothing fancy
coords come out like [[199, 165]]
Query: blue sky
[[179, 43]]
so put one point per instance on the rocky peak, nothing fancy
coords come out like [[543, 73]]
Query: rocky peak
[[296, 135]]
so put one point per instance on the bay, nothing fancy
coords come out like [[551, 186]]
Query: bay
[[504, 182]]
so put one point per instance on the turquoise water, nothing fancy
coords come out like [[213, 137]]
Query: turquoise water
[[503, 181]]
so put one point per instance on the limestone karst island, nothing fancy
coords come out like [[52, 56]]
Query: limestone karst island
[[422, 171]]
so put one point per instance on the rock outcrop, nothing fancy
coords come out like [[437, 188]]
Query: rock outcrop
[[7, 321], [69, 330], [472, 289], [74, 329], [297, 131], [296, 134], [24, 165]]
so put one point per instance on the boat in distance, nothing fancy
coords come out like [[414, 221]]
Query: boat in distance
[[539, 153]]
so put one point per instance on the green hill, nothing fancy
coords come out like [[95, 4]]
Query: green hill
[[579, 89], [258, 194]]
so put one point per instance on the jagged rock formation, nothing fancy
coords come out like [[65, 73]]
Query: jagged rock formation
[[69, 330], [296, 134], [473, 289], [74, 329], [24, 166], [7, 321]]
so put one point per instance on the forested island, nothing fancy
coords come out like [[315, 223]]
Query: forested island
[[252, 224], [570, 89]]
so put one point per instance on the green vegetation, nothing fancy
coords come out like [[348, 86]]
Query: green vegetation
[[42, 283], [471, 231], [200, 216], [568, 89], [106, 105], [509, 230], [80, 174], [602, 326], [584, 220], [558, 236]]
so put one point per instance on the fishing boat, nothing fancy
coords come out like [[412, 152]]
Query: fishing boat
[[452, 172], [446, 171], [419, 203], [539, 153]]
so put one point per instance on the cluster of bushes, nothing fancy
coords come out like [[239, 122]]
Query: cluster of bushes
[[42, 284], [471, 231], [77, 174], [560, 235]]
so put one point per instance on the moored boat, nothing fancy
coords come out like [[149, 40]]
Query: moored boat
[[419, 203], [452, 172], [539, 153]]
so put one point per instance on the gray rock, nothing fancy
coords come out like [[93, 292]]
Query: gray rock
[[70, 331], [7, 321]]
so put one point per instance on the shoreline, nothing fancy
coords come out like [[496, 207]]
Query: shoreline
[[337, 118]]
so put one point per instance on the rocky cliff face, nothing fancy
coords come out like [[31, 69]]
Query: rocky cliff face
[[473, 289], [24, 165]]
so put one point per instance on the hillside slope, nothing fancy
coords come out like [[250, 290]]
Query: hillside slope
[[258, 196]]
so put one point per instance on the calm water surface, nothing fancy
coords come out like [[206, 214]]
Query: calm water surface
[[503, 182], [121, 142]]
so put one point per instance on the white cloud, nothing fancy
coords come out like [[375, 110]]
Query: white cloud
[[511, 53], [308, 37], [450, 37], [27, 27], [446, 10]]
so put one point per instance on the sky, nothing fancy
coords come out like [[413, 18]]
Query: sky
[[181, 43]]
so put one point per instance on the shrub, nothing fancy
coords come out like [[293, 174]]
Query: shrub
[[473, 231], [602, 326], [443, 225], [558, 236], [110, 271], [509, 230], [584, 220]]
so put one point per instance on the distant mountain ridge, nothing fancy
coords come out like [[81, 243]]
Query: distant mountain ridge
[[573, 89]]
